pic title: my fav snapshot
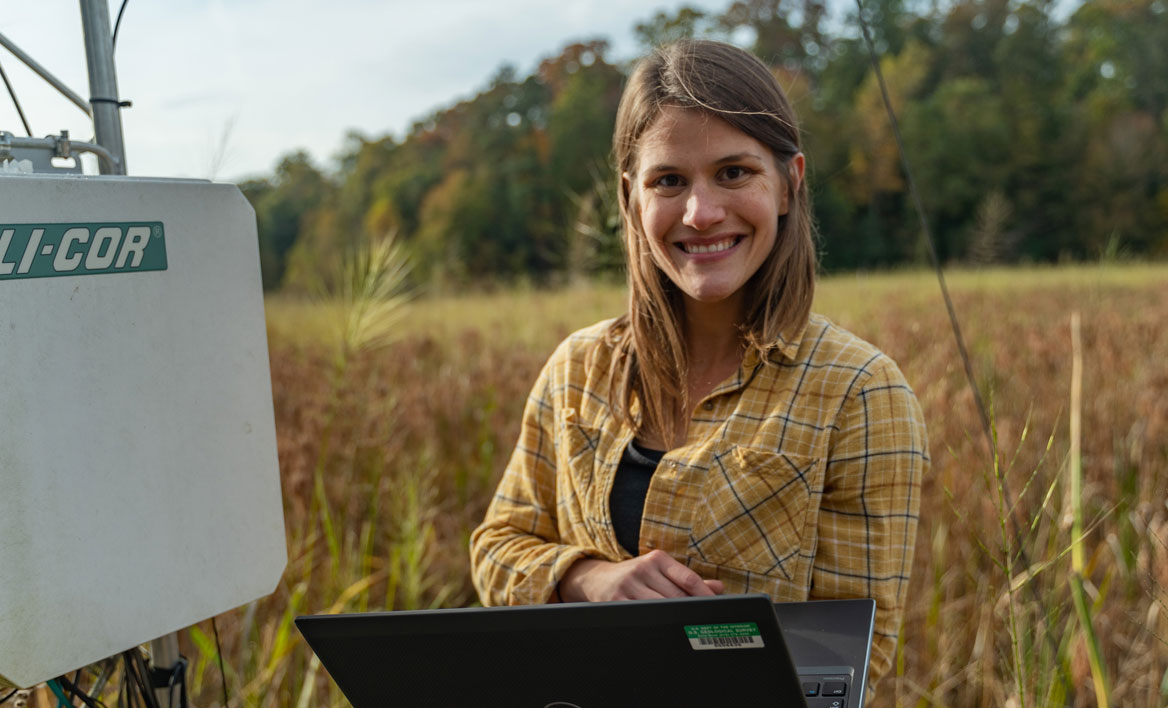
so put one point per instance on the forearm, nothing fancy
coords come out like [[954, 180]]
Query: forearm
[[512, 567]]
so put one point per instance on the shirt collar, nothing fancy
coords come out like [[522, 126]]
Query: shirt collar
[[790, 339], [786, 346]]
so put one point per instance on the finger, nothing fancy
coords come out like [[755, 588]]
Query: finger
[[641, 592], [641, 585], [646, 577], [715, 585], [662, 585], [688, 581]]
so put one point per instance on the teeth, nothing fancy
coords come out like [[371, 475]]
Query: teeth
[[711, 248]]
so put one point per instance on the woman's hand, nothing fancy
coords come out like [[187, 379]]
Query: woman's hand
[[654, 575]]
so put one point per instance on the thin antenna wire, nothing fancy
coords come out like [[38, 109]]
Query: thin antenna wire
[[981, 408], [916, 197], [12, 93], [118, 24]]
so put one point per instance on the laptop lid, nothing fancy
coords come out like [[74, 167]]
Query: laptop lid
[[725, 650], [830, 642]]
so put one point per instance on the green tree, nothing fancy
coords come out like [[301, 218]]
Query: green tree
[[296, 189], [664, 27]]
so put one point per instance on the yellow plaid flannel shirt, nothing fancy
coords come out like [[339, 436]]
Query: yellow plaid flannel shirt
[[799, 478]]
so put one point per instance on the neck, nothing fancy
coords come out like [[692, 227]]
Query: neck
[[711, 332]]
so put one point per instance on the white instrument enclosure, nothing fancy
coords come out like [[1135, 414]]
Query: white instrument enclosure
[[139, 483]]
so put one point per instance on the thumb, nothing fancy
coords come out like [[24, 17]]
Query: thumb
[[714, 585]]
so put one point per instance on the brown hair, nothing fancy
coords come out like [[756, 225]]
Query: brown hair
[[734, 86]]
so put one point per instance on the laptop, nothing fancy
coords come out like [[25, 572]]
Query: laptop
[[698, 651], [830, 642]]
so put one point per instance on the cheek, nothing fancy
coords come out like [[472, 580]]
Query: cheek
[[659, 252], [653, 220], [652, 246]]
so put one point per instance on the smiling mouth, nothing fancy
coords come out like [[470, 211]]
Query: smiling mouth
[[711, 247]]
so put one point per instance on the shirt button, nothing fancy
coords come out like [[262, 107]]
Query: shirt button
[[709, 405]]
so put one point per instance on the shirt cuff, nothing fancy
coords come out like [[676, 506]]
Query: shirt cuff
[[542, 585]]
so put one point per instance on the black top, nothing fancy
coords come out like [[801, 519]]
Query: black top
[[627, 501]]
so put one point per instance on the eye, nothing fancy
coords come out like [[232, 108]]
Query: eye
[[735, 173], [669, 181]]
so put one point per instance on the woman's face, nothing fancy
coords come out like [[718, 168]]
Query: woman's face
[[709, 197]]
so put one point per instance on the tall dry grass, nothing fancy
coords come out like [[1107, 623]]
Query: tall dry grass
[[388, 465]]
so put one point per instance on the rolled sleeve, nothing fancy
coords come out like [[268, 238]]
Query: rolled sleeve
[[517, 555]]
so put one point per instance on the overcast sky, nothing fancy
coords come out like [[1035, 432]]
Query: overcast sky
[[222, 88]]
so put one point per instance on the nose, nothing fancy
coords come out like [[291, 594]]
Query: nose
[[703, 207]]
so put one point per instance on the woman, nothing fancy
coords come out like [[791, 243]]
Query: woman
[[719, 437]]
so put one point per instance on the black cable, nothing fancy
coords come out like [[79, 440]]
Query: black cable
[[74, 689], [178, 680], [219, 653], [127, 679], [144, 682], [136, 677], [5, 699], [28, 130], [71, 685], [129, 697], [118, 23], [69, 688]]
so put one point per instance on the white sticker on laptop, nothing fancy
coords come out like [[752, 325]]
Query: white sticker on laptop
[[739, 635]]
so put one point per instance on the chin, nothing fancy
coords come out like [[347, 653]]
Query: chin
[[709, 295]]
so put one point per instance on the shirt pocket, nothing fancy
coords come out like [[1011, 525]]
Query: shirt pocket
[[580, 452], [753, 512]]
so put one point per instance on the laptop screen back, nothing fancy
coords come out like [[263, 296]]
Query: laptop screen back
[[713, 651]]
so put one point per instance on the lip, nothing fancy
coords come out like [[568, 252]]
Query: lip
[[739, 238]]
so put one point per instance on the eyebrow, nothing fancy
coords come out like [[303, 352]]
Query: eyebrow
[[736, 157]]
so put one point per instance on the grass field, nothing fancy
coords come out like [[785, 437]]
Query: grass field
[[389, 456]]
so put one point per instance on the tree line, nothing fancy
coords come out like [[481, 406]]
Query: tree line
[[1034, 137]]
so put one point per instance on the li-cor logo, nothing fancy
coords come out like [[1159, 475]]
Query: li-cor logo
[[45, 250]]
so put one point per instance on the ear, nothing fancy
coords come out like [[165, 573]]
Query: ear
[[794, 178], [795, 171]]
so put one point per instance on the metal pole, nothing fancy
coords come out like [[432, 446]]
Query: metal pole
[[44, 73], [107, 126], [103, 81], [164, 656]]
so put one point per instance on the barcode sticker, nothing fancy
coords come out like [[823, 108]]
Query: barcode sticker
[[740, 635]]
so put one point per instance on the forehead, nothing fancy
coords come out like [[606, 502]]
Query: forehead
[[690, 135]]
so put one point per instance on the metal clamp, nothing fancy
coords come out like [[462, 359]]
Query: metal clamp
[[61, 145]]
